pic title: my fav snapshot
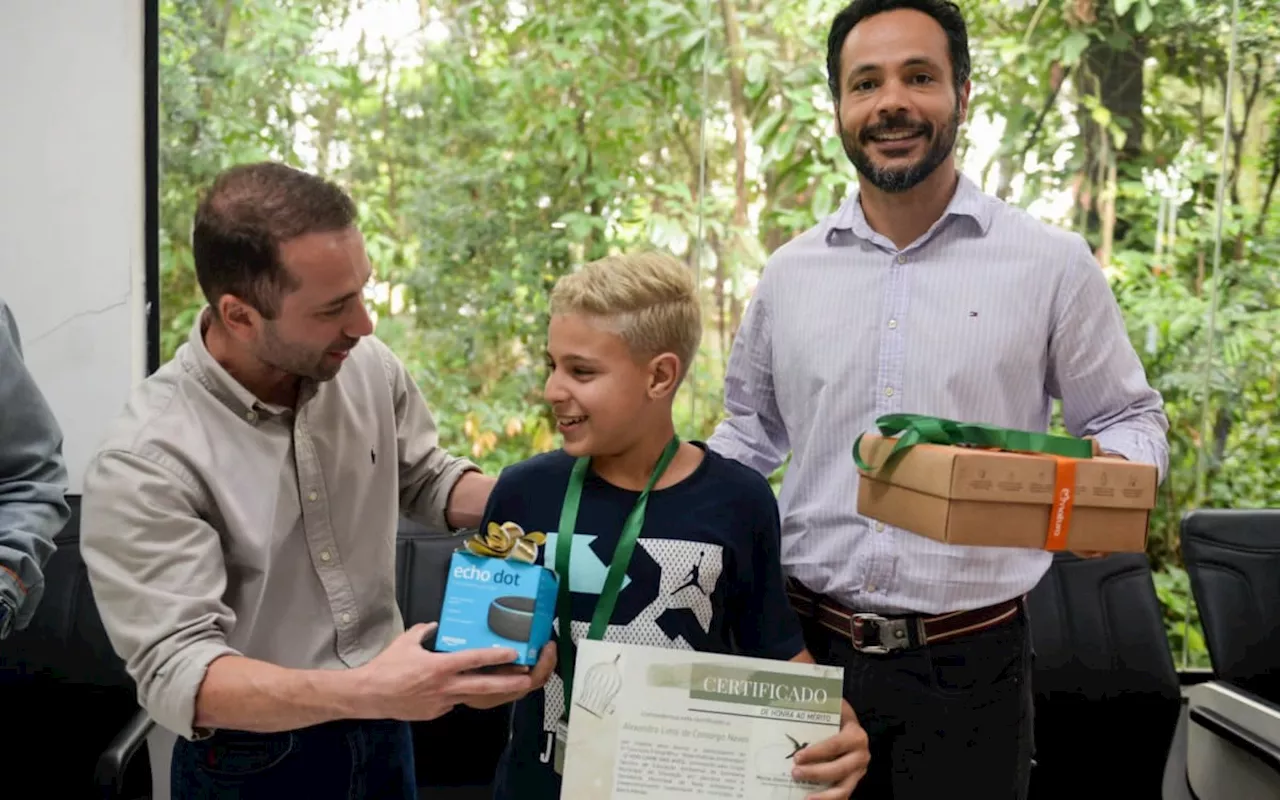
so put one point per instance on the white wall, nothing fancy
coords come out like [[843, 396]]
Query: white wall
[[72, 205]]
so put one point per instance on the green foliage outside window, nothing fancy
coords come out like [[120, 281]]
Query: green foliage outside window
[[492, 145]]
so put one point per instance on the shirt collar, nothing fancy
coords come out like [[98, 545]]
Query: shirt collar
[[215, 378], [967, 201]]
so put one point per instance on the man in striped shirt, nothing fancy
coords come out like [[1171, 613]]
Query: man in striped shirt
[[921, 294]]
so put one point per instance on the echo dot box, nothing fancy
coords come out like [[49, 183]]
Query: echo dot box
[[495, 602]]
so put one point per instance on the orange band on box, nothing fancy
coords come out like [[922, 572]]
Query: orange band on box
[[1064, 499]]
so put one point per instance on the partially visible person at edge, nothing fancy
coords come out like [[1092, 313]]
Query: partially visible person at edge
[[33, 483], [240, 518], [704, 574], [921, 294]]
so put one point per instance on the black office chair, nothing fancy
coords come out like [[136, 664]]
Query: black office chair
[[1106, 692], [1233, 560], [65, 692]]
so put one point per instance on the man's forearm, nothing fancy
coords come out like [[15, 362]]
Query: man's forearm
[[467, 500], [33, 478], [245, 694]]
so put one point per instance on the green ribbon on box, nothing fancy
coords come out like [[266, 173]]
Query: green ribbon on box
[[914, 429]]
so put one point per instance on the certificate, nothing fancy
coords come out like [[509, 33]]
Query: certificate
[[658, 723]]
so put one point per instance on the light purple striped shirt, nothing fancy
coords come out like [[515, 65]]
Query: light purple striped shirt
[[986, 317]]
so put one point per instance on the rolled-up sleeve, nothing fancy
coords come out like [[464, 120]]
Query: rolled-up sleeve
[[158, 576], [427, 472]]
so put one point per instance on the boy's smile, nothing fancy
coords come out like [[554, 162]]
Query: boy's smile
[[567, 424]]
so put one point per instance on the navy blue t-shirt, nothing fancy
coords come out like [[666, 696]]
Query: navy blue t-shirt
[[705, 575]]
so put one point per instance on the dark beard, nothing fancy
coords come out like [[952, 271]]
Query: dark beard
[[894, 181], [291, 359]]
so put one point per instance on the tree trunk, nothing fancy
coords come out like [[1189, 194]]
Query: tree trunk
[[1115, 78], [1265, 211]]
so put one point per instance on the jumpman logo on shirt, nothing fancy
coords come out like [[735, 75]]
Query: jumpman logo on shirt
[[695, 574]]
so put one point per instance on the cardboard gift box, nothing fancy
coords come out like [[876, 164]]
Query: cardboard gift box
[[497, 597], [972, 494]]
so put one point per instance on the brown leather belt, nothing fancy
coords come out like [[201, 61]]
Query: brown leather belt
[[876, 634]]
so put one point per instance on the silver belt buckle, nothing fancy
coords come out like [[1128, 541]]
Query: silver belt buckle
[[886, 635]]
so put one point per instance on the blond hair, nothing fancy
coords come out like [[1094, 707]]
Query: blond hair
[[649, 299]]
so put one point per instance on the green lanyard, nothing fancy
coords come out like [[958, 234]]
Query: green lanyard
[[617, 567]]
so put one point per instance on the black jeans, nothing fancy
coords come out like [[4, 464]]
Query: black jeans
[[952, 719], [346, 760]]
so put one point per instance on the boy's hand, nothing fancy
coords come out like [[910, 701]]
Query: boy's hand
[[541, 672], [840, 760]]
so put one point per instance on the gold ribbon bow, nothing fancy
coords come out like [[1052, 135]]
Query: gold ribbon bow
[[507, 540]]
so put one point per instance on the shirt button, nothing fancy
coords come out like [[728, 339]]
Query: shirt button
[[311, 496], [324, 555], [252, 416], [346, 617], [871, 587], [879, 526], [902, 259], [888, 392], [893, 323]]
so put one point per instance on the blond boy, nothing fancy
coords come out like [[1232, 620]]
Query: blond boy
[[704, 573]]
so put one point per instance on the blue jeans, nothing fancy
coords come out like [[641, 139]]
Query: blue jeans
[[344, 760]]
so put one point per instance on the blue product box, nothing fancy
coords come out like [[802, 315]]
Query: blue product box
[[496, 602]]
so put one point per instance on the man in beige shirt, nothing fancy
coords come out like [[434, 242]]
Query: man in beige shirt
[[239, 520]]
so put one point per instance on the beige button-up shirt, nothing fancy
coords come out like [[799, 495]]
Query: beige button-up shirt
[[214, 523]]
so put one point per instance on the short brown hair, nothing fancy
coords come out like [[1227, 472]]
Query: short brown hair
[[248, 212], [650, 299]]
